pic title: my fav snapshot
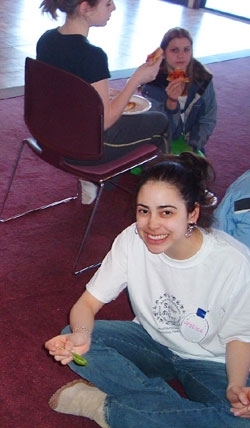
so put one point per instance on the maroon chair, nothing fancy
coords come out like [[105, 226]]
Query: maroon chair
[[64, 115]]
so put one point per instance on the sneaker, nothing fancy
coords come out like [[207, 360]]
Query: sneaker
[[88, 192]]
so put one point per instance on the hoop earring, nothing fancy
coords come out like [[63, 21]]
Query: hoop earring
[[190, 229]]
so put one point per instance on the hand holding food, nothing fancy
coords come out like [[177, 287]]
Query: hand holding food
[[78, 359], [175, 88], [63, 347]]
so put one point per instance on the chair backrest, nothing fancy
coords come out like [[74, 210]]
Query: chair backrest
[[63, 112]]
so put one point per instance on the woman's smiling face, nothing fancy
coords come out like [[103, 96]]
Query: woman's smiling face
[[162, 218]]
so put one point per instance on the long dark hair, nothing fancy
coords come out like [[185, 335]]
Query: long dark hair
[[191, 175], [67, 6]]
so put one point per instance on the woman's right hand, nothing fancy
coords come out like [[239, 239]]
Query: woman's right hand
[[175, 89], [146, 72], [62, 346]]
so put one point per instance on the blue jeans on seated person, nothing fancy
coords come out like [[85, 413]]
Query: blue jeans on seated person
[[127, 364]]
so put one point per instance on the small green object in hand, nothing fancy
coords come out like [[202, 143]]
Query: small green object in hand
[[78, 359]]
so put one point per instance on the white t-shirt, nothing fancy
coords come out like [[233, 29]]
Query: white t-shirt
[[166, 294]]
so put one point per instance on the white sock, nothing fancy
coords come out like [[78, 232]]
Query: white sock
[[80, 399], [88, 192]]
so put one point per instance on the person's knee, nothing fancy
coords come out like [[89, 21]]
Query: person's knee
[[160, 120]]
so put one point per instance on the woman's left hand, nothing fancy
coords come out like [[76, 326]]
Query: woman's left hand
[[239, 398], [62, 346]]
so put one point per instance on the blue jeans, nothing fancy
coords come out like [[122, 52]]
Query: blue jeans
[[126, 363]]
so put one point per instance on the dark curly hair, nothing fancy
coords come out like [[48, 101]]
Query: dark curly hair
[[191, 175]]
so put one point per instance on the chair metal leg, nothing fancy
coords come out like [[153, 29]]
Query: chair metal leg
[[52, 204], [86, 232], [85, 235], [43, 207], [11, 181]]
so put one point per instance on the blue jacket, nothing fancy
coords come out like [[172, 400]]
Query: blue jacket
[[233, 213], [200, 109]]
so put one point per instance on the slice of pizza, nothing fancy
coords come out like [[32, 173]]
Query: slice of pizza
[[154, 56], [177, 74], [130, 106]]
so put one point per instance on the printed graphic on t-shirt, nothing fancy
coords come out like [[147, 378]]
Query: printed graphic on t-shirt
[[168, 312]]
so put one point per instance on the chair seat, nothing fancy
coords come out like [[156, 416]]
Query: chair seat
[[101, 172]]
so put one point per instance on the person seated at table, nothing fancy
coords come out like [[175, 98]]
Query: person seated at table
[[189, 103]]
